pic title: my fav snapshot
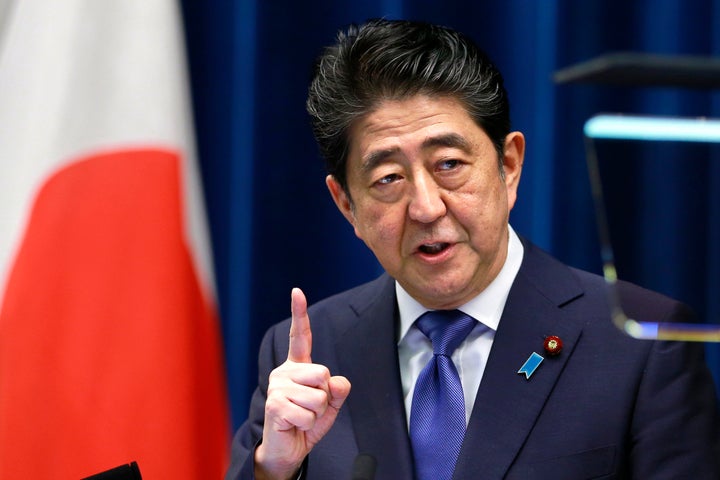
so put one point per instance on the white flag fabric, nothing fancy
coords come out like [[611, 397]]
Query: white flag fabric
[[110, 349]]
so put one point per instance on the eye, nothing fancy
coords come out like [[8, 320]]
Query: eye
[[388, 179], [449, 164]]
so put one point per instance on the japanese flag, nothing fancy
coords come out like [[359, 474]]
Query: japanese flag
[[110, 350]]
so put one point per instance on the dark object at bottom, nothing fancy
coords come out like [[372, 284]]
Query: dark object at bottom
[[131, 471]]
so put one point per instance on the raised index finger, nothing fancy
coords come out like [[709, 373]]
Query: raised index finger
[[300, 333]]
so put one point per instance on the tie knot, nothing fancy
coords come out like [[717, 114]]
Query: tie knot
[[446, 329]]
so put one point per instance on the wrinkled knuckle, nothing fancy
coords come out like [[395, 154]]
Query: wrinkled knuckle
[[320, 398], [308, 422], [323, 372], [273, 406]]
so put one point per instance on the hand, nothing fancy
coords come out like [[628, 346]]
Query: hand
[[302, 403]]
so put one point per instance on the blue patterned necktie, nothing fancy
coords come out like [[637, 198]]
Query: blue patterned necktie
[[437, 417]]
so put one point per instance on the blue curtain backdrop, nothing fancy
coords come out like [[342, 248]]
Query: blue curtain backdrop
[[275, 227]]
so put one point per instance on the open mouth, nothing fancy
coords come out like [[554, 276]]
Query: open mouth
[[433, 248]]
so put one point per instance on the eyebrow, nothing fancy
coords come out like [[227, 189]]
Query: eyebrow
[[377, 157], [451, 140]]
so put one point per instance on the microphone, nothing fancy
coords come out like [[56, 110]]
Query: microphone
[[131, 471], [364, 467]]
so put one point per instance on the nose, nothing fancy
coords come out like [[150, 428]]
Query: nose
[[426, 202]]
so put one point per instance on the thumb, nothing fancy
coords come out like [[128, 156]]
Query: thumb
[[339, 388]]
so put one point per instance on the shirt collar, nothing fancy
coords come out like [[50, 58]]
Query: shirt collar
[[486, 307]]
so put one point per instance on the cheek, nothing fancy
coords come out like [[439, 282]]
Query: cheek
[[482, 209], [378, 225]]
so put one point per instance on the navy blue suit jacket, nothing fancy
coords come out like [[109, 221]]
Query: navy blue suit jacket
[[608, 406]]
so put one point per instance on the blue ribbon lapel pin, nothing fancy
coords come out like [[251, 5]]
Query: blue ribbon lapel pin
[[531, 364]]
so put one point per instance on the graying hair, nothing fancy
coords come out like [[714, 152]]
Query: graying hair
[[395, 59]]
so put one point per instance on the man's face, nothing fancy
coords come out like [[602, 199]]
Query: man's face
[[428, 198]]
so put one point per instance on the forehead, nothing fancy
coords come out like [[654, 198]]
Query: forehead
[[412, 112], [413, 124]]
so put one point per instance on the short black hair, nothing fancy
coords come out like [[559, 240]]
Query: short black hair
[[396, 59]]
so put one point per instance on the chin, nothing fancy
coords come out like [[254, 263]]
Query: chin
[[442, 298]]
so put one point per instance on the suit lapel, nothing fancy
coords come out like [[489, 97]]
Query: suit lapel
[[508, 404], [367, 355]]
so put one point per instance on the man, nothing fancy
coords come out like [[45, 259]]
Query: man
[[413, 121]]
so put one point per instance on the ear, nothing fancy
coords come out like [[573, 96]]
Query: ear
[[341, 199], [513, 158]]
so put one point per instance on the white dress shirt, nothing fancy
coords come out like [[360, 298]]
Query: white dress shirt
[[470, 358]]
